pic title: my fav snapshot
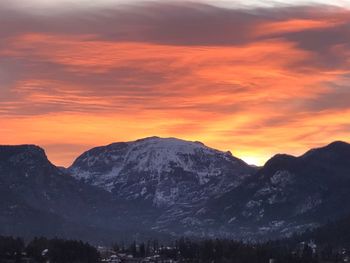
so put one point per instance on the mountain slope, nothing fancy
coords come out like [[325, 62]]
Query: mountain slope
[[39, 199], [175, 176], [169, 186], [291, 193], [162, 171]]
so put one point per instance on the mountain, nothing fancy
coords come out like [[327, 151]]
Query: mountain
[[37, 198], [161, 187], [335, 232], [175, 176], [163, 171], [290, 193]]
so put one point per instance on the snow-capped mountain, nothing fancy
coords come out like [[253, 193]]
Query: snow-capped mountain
[[162, 171], [154, 187], [202, 191]]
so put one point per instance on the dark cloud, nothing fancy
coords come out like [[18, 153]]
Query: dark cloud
[[180, 24], [169, 23], [188, 24], [336, 98], [175, 24], [323, 43]]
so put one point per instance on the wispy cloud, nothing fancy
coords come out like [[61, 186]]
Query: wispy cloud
[[256, 81]]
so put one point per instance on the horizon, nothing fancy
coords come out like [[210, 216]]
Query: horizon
[[181, 139], [253, 77]]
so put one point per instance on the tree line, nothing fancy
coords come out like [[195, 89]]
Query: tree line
[[220, 251], [331, 243], [42, 250]]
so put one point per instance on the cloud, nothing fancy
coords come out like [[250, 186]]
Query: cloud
[[337, 98], [256, 81]]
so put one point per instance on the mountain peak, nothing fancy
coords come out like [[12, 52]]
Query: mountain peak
[[336, 147], [160, 170], [162, 145], [27, 150], [337, 144], [150, 138], [167, 140]]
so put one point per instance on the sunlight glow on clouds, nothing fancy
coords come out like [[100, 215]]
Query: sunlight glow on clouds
[[256, 83]]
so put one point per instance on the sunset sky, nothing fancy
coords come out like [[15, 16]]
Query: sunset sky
[[253, 77]]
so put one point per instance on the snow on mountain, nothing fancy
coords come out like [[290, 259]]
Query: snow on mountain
[[163, 171], [290, 193], [171, 186]]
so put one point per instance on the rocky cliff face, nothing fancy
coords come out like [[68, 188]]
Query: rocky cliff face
[[291, 193], [175, 176], [164, 172]]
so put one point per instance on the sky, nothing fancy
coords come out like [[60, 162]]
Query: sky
[[254, 77]]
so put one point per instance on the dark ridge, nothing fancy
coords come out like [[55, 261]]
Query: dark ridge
[[280, 160], [336, 146], [8, 151]]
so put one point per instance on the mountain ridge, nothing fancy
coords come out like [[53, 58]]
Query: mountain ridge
[[191, 190], [152, 158], [39, 199], [294, 192]]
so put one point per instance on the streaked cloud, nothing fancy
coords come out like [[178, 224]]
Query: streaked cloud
[[256, 82]]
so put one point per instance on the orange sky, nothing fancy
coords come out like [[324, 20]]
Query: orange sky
[[255, 83]]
